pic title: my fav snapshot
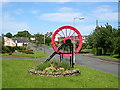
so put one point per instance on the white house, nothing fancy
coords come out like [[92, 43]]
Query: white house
[[19, 41], [9, 42]]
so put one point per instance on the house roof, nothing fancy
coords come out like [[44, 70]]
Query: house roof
[[20, 39]]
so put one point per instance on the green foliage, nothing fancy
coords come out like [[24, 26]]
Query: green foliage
[[47, 40], [84, 45], [86, 50], [9, 49], [105, 40], [39, 39], [9, 35], [23, 34], [20, 48], [42, 66], [63, 64]]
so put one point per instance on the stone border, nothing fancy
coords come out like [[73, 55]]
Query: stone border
[[75, 72]]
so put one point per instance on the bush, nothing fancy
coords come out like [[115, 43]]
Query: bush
[[62, 64], [20, 48], [7, 49], [42, 66], [97, 51]]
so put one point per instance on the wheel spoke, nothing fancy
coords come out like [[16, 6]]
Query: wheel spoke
[[73, 33], [66, 32], [63, 33], [69, 32], [59, 34]]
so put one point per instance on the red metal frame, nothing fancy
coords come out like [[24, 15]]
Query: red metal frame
[[67, 37]]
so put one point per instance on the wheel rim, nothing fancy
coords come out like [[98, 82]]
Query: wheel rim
[[62, 34]]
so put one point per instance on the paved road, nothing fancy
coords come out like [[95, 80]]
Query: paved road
[[95, 63]]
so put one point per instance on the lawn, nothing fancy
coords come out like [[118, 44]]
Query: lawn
[[0, 73], [15, 75], [115, 56], [37, 54], [86, 50]]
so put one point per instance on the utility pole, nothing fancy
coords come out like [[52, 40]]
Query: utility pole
[[81, 18], [96, 22], [44, 43]]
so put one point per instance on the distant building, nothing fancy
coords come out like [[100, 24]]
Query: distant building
[[20, 41], [17, 41], [32, 38], [84, 38], [8, 42]]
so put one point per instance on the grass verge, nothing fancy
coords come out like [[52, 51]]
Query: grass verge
[[116, 56], [15, 75], [37, 54], [86, 50]]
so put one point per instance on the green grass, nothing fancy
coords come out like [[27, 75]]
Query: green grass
[[37, 54], [86, 50], [0, 74], [15, 75], [116, 56]]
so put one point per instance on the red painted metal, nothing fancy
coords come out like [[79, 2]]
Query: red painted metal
[[57, 32]]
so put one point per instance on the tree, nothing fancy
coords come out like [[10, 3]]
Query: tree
[[48, 38], [9, 35], [23, 34], [102, 39], [38, 39]]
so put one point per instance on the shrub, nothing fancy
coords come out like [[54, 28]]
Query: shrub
[[97, 51], [7, 49], [65, 65], [42, 66], [20, 48]]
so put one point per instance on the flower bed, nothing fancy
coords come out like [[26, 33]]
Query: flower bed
[[75, 72], [54, 69]]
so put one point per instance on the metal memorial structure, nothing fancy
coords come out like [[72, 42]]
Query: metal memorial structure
[[66, 41]]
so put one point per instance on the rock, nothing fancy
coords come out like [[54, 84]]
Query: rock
[[75, 72]]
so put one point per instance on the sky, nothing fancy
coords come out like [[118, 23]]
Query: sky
[[43, 17]]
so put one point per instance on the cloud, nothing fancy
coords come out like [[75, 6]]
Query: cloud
[[19, 11], [35, 11], [85, 29], [60, 17], [66, 9], [60, 1], [9, 24], [105, 13]]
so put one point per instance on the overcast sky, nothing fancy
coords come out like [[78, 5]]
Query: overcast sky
[[45, 17]]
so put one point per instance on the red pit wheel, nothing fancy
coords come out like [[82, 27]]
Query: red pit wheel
[[62, 34]]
